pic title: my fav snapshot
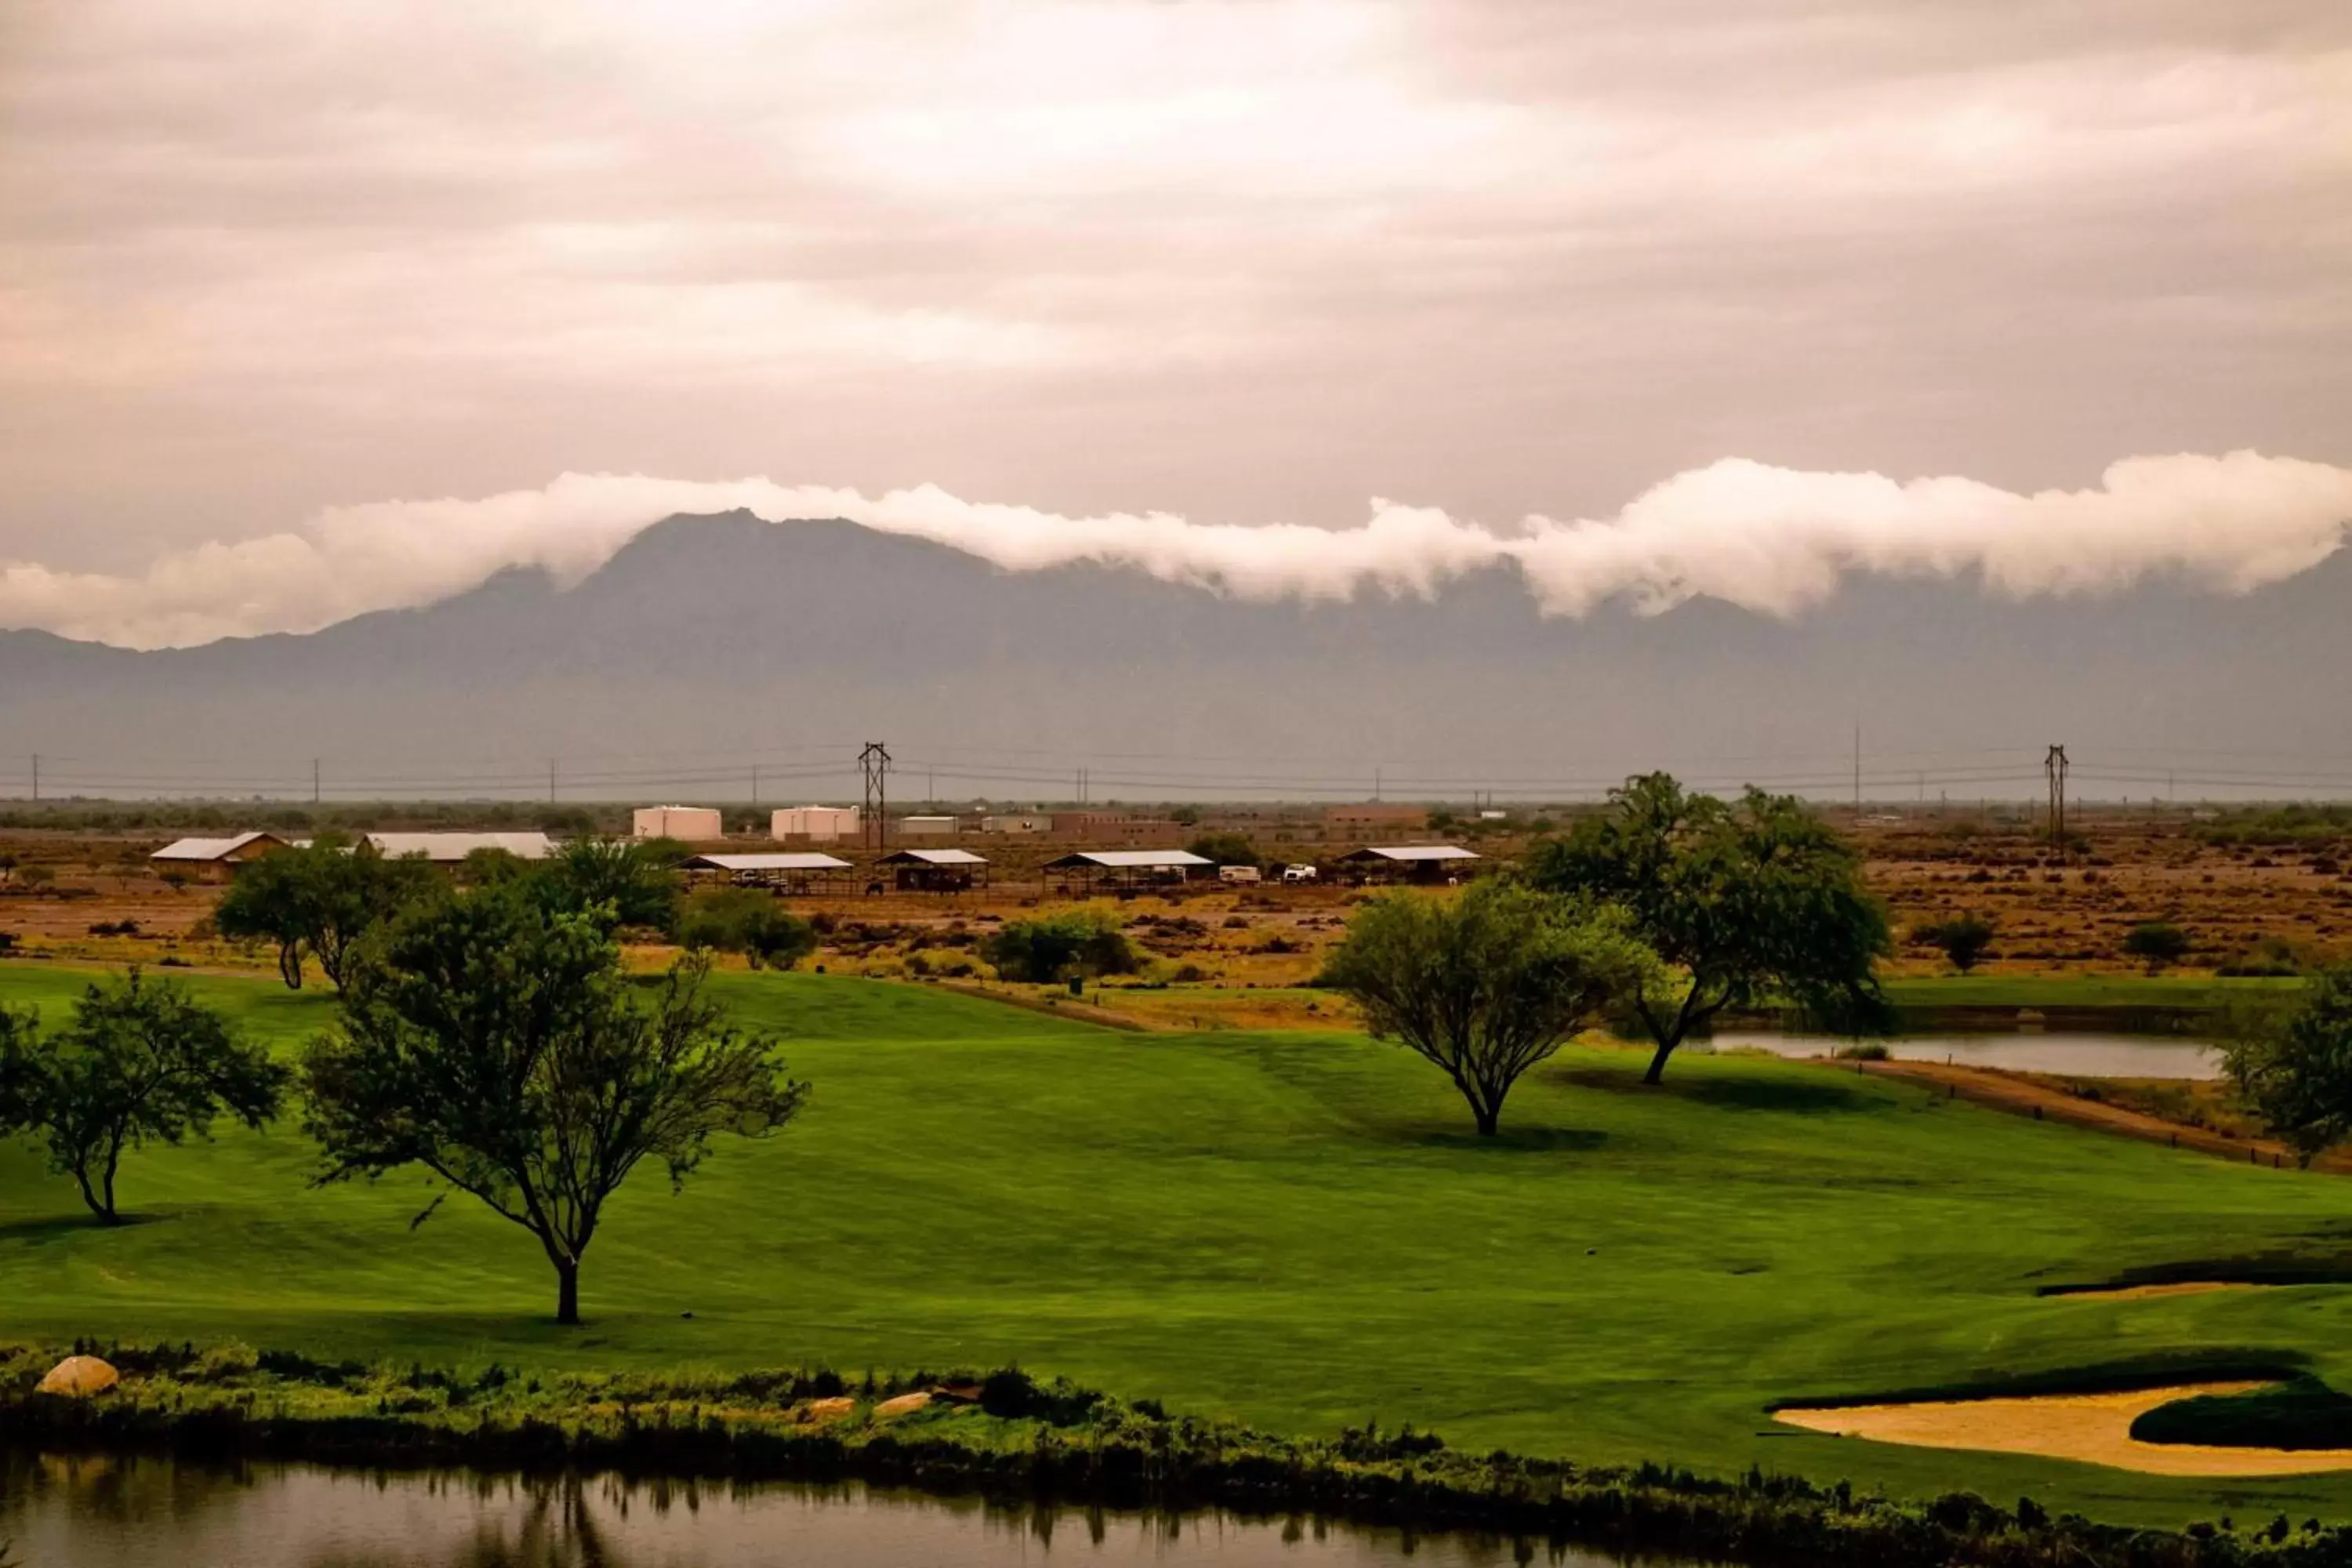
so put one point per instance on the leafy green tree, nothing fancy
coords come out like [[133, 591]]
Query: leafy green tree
[[1225, 849], [498, 1044], [1488, 984], [1745, 899], [1964, 938], [317, 900], [2294, 1066], [2157, 944], [1050, 948], [142, 1062], [636, 881], [749, 922]]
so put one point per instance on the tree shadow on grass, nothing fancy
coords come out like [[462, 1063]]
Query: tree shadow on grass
[[1789, 1092], [60, 1227], [1507, 1139]]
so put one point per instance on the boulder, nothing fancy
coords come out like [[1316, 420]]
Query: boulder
[[80, 1376], [905, 1405]]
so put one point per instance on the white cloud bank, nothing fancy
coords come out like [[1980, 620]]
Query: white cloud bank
[[1777, 541]]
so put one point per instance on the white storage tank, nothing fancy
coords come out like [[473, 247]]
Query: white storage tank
[[818, 822], [690, 824]]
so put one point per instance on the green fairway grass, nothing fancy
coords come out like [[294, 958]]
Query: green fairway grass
[[1295, 1229]]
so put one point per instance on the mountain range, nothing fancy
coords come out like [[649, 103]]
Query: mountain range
[[711, 638]]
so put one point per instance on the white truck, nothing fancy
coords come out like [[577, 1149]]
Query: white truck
[[1298, 873]]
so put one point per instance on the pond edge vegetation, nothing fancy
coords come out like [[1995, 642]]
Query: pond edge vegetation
[[1007, 1436]]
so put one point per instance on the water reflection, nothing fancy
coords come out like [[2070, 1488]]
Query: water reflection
[[2079, 1055], [117, 1513]]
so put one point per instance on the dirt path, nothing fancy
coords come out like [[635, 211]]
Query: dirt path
[[1081, 1012], [2094, 1428], [2004, 1091]]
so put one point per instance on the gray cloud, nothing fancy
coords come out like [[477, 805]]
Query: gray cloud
[[1252, 260]]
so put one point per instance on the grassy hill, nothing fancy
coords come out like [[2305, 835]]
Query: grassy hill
[[1295, 1229]]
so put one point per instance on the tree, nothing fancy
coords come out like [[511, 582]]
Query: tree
[[1964, 938], [1747, 899], [1225, 848], [496, 1043], [2157, 944], [746, 921], [1074, 943], [2294, 1066], [1488, 984], [317, 900], [142, 1062], [637, 881]]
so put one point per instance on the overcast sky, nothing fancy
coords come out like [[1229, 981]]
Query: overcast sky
[[1250, 262]]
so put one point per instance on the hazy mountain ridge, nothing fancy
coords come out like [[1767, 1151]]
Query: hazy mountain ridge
[[727, 634]]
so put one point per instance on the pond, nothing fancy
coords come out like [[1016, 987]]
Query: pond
[[103, 1512], [2077, 1055]]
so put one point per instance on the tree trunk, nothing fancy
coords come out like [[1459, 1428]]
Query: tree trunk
[[1657, 1073], [103, 1207], [567, 1292], [1488, 1119]]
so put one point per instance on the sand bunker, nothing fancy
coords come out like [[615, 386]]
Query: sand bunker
[[2094, 1428], [2151, 1292]]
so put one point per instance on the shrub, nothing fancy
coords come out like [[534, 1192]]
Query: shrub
[[1224, 848], [2157, 944], [1964, 938], [1057, 947], [746, 921]]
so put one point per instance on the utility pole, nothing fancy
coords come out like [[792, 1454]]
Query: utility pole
[[1858, 769], [551, 781], [755, 784], [36, 778], [314, 781], [1376, 784], [873, 765], [2054, 768]]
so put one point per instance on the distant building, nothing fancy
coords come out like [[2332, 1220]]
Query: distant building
[[216, 856], [694, 824], [448, 849], [819, 823], [926, 828], [1117, 827], [1033, 822], [1376, 815]]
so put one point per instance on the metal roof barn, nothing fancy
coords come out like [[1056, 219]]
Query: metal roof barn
[[218, 856], [215, 849]]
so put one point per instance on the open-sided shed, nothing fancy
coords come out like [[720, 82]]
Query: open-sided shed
[[804, 872], [1093, 869], [1407, 863], [936, 870]]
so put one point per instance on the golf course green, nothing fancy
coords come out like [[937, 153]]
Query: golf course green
[[1297, 1230]]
